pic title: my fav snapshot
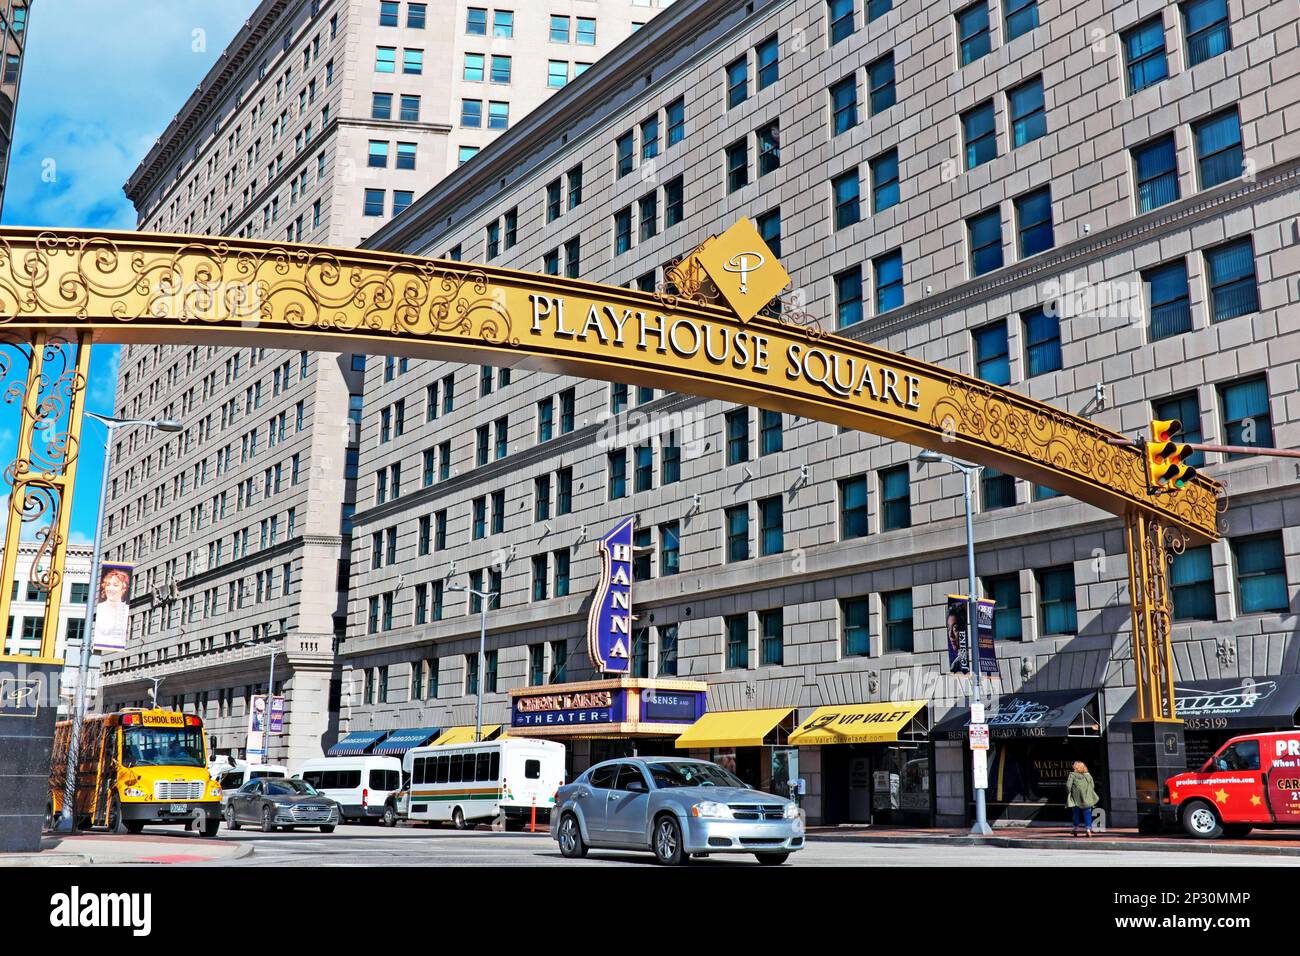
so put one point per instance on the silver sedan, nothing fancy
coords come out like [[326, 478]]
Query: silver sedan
[[676, 808]]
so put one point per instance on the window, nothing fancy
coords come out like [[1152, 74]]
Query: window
[[405, 156], [559, 29], [675, 115], [536, 664], [541, 574], [1191, 581], [557, 73], [1168, 299], [973, 32], [643, 468], [674, 202], [668, 650], [884, 181], [378, 154], [771, 538], [771, 626], [575, 186], [586, 31], [388, 13], [622, 231], [617, 474], [1155, 167], [1185, 408], [769, 148], [553, 201], [880, 83], [737, 82], [737, 436], [617, 398], [670, 460], [737, 531], [648, 216], [1042, 338], [1028, 113], [855, 627], [1022, 16], [385, 59], [381, 106], [985, 237], [413, 62], [562, 573], [1261, 573], [498, 116], [841, 19], [492, 248], [897, 607], [844, 105], [979, 130], [1004, 591], [374, 205], [736, 628], [567, 403], [1230, 273], [889, 280], [895, 499], [474, 67], [573, 257], [1246, 416], [642, 549], [853, 507], [476, 22], [770, 433], [769, 69], [503, 24], [670, 545], [992, 355], [1218, 148], [471, 673], [1056, 609], [1034, 222], [1145, 61], [844, 191], [996, 490], [1205, 23], [737, 165], [500, 69], [848, 297], [415, 15], [410, 109]]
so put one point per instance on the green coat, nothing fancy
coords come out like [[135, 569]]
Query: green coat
[[1079, 790]]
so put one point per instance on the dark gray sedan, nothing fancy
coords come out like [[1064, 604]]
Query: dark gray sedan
[[676, 808], [274, 804]]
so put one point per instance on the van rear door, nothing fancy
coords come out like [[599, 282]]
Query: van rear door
[[1282, 782]]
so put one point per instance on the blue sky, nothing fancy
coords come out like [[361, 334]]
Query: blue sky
[[101, 80]]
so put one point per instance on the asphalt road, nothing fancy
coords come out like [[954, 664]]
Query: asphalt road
[[421, 846]]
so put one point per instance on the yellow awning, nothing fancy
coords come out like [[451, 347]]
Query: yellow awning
[[856, 723], [733, 728], [465, 735]]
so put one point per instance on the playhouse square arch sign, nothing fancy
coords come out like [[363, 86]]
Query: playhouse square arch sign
[[141, 288]]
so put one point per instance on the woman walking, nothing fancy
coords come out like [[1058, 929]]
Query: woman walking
[[1080, 797]]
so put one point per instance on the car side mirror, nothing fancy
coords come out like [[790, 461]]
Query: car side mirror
[[637, 786]]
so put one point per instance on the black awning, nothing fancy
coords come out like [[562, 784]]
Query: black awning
[[1058, 713], [1232, 703]]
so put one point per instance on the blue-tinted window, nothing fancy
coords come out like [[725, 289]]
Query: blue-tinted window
[[992, 356], [996, 490], [1246, 416], [895, 498], [769, 68], [1028, 112], [1261, 573], [1206, 24], [1034, 222], [1056, 601], [1230, 272], [737, 82], [897, 606], [1191, 581], [841, 19], [980, 134], [889, 280], [1155, 167], [985, 237], [844, 105], [880, 83], [855, 617], [1022, 16], [973, 32], [884, 181], [844, 189], [878, 8], [1218, 148], [1004, 591], [1169, 299], [848, 297], [1042, 332], [853, 507], [1145, 61]]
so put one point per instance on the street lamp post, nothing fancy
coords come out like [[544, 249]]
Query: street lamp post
[[67, 816], [485, 598], [972, 608]]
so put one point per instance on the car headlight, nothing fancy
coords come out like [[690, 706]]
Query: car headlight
[[133, 792], [792, 812], [711, 810]]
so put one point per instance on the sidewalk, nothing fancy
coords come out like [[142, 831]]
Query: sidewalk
[[102, 849], [1258, 842]]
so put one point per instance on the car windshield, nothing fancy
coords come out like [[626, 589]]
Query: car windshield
[[674, 774], [289, 788], [162, 747]]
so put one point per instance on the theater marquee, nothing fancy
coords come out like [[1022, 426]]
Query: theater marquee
[[620, 707]]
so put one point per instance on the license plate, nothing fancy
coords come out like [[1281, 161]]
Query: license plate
[[179, 808]]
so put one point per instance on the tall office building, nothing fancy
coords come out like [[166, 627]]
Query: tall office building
[[13, 40], [1091, 202], [319, 122]]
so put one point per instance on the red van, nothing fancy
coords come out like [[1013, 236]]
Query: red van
[[1252, 781]]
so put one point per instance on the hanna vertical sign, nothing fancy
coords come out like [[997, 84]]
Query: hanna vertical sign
[[609, 625]]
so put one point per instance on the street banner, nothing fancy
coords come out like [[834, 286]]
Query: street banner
[[609, 625], [958, 635], [254, 747], [257, 716], [112, 607]]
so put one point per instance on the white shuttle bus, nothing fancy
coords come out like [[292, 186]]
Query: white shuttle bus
[[468, 783]]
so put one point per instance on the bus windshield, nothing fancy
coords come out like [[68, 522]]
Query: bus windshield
[[162, 747]]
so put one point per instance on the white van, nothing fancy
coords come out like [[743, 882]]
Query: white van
[[235, 776], [360, 785], [463, 783]]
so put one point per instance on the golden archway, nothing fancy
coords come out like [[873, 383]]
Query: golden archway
[[79, 286]]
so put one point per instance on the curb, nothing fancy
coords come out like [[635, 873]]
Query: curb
[[1163, 846], [45, 859]]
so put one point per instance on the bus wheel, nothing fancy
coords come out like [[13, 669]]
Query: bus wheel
[[133, 826], [1201, 821], [458, 819], [115, 823]]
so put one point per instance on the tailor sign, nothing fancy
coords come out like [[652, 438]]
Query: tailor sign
[[609, 625]]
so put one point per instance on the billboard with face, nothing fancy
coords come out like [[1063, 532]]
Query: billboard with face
[[112, 607]]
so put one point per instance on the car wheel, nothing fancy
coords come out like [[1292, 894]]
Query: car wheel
[[667, 842], [268, 820], [458, 819], [1201, 821], [1236, 830], [390, 815], [328, 828], [772, 859], [231, 822], [571, 842]]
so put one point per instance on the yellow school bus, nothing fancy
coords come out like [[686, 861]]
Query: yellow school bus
[[138, 767]]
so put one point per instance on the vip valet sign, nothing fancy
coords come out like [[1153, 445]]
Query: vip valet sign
[[609, 625]]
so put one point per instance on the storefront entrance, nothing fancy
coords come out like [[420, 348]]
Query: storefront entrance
[[881, 784]]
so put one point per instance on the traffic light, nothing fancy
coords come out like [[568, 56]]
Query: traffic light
[[1165, 457]]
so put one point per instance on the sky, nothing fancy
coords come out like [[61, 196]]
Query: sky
[[101, 80]]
